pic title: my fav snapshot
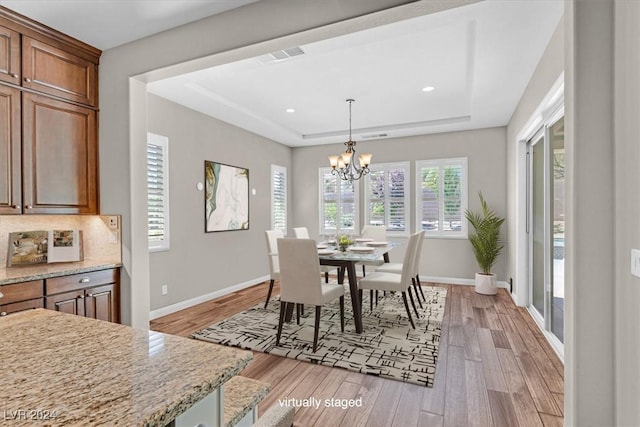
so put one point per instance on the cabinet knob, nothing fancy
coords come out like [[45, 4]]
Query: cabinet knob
[[15, 206], [1, 295], [80, 296], [14, 75], [27, 79], [85, 280], [4, 313], [90, 295], [28, 207]]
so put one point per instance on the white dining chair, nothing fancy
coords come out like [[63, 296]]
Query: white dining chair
[[272, 237], [300, 283], [396, 282], [396, 268], [303, 233], [377, 233]]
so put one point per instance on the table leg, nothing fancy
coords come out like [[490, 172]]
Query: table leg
[[355, 298], [385, 256]]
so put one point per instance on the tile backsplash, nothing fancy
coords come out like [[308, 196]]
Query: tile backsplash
[[100, 242]]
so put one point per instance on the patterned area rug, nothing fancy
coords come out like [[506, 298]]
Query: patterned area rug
[[388, 346]]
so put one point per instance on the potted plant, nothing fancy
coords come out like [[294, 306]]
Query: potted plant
[[344, 242], [487, 245]]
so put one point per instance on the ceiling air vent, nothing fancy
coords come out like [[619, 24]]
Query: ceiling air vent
[[280, 55], [375, 135]]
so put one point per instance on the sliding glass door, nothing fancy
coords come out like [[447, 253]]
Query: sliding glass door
[[545, 226]]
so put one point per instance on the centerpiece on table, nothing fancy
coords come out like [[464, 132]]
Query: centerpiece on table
[[344, 242]]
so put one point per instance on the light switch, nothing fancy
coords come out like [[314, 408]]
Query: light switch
[[635, 262]]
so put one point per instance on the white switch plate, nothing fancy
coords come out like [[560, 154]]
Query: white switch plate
[[635, 262], [165, 290]]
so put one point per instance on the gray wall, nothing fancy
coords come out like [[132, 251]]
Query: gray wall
[[486, 153], [549, 69], [627, 211], [199, 263]]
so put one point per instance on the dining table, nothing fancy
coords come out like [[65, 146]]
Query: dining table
[[329, 254]]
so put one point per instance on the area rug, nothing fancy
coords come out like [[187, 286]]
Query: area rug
[[388, 346]]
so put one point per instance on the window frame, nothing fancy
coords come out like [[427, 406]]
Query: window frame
[[274, 170], [406, 165], [464, 199], [356, 206], [164, 244]]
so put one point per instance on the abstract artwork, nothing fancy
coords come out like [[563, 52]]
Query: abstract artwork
[[226, 197]]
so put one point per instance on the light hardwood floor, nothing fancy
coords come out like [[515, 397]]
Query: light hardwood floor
[[494, 369]]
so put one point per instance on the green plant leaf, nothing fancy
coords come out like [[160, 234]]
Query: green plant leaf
[[486, 241]]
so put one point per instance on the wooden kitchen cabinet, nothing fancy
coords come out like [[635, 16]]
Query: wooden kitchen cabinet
[[21, 296], [49, 84], [59, 151], [95, 294], [9, 55], [58, 72], [10, 151]]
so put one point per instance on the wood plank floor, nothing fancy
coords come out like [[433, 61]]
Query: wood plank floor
[[494, 369]]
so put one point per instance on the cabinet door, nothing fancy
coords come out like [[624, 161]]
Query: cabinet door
[[9, 56], [69, 302], [59, 152], [54, 71], [101, 303], [10, 156]]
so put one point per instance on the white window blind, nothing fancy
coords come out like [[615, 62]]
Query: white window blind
[[158, 192], [441, 193], [387, 197], [338, 204], [279, 198]]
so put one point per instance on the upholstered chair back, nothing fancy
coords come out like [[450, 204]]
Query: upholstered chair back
[[299, 271], [272, 237], [301, 232], [376, 232]]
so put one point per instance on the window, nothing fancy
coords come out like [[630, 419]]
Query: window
[[158, 192], [338, 204], [441, 193], [279, 198], [387, 197]]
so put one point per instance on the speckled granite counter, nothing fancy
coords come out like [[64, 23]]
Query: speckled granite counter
[[98, 373], [45, 271]]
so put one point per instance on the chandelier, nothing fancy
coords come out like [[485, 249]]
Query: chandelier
[[344, 165]]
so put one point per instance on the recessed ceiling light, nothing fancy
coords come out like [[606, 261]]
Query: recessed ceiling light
[[290, 110], [428, 88]]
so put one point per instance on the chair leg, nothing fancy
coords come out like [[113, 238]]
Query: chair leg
[[317, 329], [376, 298], [364, 273], [371, 299], [283, 308], [297, 314], [326, 277], [420, 287], [342, 314], [269, 294], [406, 306], [413, 303], [302, 309], [415, 287]]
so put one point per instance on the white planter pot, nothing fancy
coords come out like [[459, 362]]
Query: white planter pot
[[486, 284]]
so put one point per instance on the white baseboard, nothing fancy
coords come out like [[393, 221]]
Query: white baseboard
[[458, 281], [154, 314]]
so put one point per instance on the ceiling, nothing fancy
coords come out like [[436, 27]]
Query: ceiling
[[478, 58], [109, 23]]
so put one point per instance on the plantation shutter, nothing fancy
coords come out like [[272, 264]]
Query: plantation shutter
[[387, 192], [338, 204], [279, 198], [157, 192]]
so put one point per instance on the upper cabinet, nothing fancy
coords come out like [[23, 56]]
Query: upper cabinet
[[9, 55], [58, 72], [49, 120]]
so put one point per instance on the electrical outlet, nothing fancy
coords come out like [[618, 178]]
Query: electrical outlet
[[635, 262], [112, 221], [165, 289]]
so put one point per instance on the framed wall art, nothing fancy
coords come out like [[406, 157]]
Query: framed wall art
[[226, 197]]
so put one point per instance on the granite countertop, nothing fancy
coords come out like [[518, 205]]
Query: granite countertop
[[45, 271], [89, 372]]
